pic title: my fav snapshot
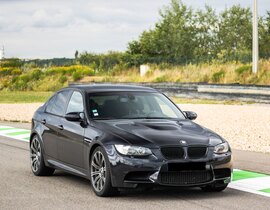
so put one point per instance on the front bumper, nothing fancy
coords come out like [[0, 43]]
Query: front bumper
[[129, 172]]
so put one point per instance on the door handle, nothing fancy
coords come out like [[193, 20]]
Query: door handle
[[60, 127], [43, 121]]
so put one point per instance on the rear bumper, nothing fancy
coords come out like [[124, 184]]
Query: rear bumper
[[129, 172]]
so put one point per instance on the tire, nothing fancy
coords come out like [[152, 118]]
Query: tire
[[100, 175], [38, 166], [216, 187]]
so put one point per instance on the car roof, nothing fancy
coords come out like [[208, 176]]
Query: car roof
[[92, 88]]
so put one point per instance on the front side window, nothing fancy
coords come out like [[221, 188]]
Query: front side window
[[59, 103], [132, 105], [75, 104]]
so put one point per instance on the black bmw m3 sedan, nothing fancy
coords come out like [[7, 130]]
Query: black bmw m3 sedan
[[126, 137]]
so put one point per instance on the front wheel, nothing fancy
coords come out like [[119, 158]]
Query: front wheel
[[37, 160], [100, 174]]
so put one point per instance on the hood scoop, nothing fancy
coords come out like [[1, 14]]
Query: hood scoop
[[155, 126], [162, 127]]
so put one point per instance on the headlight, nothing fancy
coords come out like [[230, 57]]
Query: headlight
[[221, 148], [133, 150]]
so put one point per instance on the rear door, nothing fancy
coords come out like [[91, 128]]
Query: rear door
[[55, 110], [71, 138]]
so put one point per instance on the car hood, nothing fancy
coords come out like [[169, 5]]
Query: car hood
[[156, 133]]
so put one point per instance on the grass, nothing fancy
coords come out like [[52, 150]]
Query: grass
[[23, 96], [54, 78], [226, 73]]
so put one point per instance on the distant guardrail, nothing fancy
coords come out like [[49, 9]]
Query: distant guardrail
[[248, 93]]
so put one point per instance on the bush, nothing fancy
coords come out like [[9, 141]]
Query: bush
[[76, 76], [163, 78], [63, 79], [16, 71], [218, 76], [243, 69], [11, 62], [35, 74], [86, 72], [5, 71]]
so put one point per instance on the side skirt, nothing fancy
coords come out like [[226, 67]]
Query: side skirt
[[68, 168]]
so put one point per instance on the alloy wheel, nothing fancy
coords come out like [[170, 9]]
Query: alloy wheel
[[98, 171], [35, 154]]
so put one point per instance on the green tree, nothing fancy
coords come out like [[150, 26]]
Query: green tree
[[264, 36], [171, 40], [235, 32], [206, 27]]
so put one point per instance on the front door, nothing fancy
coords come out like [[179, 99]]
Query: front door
[[71, 138], [51, 122]]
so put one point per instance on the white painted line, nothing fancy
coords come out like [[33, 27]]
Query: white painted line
[[12, 131], [259, 183], [233, 186], [14, 137], [22, 136], [5, 126]]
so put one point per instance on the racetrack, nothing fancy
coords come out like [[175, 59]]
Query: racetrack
[[20, 189]]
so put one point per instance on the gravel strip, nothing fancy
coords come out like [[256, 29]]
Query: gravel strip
[[18, 112], [246, 127]]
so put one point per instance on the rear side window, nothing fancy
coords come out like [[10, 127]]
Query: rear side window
[[58, 103], [76, 103]]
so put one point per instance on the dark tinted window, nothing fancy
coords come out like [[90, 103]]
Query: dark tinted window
[[76, 103], [132, 105], [59, 103], [50, 104]]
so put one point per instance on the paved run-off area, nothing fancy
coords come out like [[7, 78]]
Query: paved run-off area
[[247, 181]]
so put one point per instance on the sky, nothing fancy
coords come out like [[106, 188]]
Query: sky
[[57, 28]]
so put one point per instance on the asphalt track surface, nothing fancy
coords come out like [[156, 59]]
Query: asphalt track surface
[[20, 189]]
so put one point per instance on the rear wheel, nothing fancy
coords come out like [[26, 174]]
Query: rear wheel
[[37, 160], [216, 187], [100, 174]]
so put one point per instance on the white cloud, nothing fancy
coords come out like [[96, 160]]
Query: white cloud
[[44, 18], [56, 28]]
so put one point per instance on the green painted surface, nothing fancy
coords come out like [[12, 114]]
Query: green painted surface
[[18, 133], [5, 129], [238, 175], [266, 190]]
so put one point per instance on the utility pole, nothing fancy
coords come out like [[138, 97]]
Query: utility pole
[[2, 53], [255, 46]]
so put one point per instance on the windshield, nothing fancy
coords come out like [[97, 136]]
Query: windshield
[[132, 105]]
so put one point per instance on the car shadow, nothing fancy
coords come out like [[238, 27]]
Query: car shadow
[[157, 193]]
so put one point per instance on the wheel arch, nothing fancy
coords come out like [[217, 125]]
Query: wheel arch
[[93, 147], [34, 133]]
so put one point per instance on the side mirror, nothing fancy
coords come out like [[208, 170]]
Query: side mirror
[[76, 117], [190, 115]]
